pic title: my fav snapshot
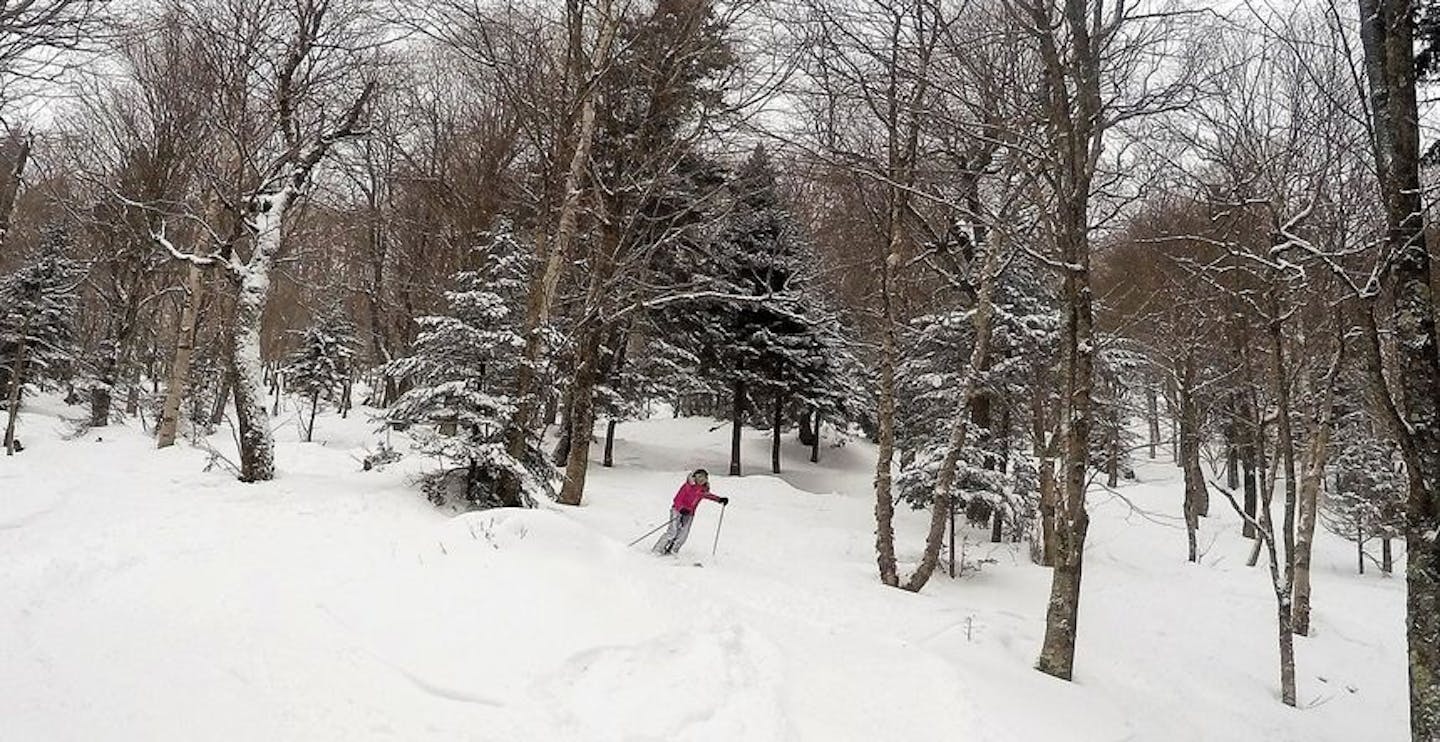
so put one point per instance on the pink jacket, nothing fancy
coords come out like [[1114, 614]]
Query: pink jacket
[[690, 495]]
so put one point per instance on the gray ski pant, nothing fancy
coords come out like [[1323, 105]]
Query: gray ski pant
[[676, 534]]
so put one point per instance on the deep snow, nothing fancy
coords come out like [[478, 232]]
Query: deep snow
[[142, 598]]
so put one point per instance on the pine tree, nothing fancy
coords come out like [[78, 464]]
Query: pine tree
[[765, 332], [993, 475], [321, 365], [459, 369], [38, 303], [1368, 500]]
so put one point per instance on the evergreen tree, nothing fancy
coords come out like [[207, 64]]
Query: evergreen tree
[[994, 475], [459, 369], [38, 303], [321, 364], [1368, 500], [763, 330]]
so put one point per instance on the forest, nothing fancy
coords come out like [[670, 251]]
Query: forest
[[1021, 247]]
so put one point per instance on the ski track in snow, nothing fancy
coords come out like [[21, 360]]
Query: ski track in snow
[[145, 599]]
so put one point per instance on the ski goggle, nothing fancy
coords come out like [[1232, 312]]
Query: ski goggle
[[700, 477]]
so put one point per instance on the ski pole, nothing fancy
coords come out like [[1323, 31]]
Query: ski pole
[[652, 530], [718, 523]]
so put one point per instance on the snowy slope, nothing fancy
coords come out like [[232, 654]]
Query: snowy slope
[[142, 598]]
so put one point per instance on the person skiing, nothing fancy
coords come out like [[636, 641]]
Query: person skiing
[[682, 511]]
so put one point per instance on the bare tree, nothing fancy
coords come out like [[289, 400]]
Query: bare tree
[[281, 130]]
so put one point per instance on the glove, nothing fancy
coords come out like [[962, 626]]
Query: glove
[[685, 512], [724, 501]]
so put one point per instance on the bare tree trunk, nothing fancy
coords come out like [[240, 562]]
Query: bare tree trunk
[[775, 433], [1112, 456], [561, 453], [1387, 559], [1360, 546], [257, 450], [180, 366], [227, 383], [1316, 455], [555, 253], [1152, 414], [1249, 471], [1387, 37], [17, 381], [952, 538], [1048, 503], [1190, 452], [9, 196], [1232, 455], [815, 440], [609, 444], [582, 418], [314, 408], [737, 415]]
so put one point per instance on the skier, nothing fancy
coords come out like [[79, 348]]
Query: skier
[[682, 511]]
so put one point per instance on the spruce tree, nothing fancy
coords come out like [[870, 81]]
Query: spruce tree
[[763, 331], [321, 365], [1368, 499], [459, 404], [38, 303]]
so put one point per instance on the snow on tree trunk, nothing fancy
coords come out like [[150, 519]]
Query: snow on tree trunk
[[1316, 455], [1387, 37], [1072, 522], [555, 252], [180, 366], [257, 448]]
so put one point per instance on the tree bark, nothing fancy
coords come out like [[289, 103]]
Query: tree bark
[[1112, 455], [1190, 452], [257, 452], [582, 418], [1152, 414], [737, 415], [1316, 455], [609, 461], [554, 254], [561, 453], [1387, 37], [180, 366], [775, 433], [807, 427], [17, 382], [815, 442], [314, 408], [9, 196]]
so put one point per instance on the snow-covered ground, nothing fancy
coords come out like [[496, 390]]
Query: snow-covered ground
[[142, 598]]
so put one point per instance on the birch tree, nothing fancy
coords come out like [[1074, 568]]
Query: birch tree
[[284, 65]]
